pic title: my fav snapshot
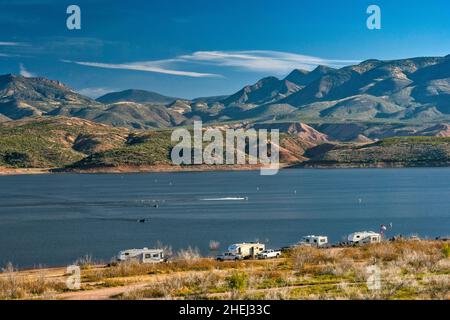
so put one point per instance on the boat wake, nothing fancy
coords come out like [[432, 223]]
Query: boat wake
[[226, 199]]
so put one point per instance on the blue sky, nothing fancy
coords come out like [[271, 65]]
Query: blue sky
[[203, 47]]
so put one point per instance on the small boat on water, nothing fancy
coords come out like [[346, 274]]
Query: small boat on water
[[226, 199]]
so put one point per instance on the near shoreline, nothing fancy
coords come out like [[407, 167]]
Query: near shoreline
[[409, 269]]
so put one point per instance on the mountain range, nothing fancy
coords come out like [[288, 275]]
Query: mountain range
[[371, 93]]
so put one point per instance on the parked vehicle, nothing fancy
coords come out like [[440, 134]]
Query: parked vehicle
[[363, 237], [267, 254], [247, 250], [144, 255], [227, 256], [314, 241]]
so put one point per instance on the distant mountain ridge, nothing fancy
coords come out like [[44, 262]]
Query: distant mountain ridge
[[404, 90], [23, 97], [272, 89], [134, 95]]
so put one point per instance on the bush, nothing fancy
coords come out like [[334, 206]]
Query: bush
[[238, 281], [446, 250], [303, 257], [84, 262], [189, 255], [15, 286]]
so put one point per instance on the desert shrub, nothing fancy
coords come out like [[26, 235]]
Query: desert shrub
[[189, 255], [446, 250], [238, 281], [437, 287], [307, 256], [84, 262], [417, 261], [383, 252], [343, 267], [190, 285], [10, 285], [15, 286], [279, 294], [131, 295], [168, 252], [269, 279]]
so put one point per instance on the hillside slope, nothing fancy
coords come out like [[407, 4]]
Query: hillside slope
[[391, 152], [54, 142], [23, 97], [134, 95], [62, 142], [77, 144]]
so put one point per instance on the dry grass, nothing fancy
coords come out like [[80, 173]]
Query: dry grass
[[190, 286], [189, 255], [15, 286], [407, 270]]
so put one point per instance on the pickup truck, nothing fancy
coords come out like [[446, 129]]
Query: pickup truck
[[229, 256], [267, 254]]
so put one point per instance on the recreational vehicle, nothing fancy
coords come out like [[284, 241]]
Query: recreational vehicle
[[314, 241], [364, 237], [144, 255], [247, 250]]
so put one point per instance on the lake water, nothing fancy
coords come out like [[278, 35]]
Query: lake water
[[52, 220]]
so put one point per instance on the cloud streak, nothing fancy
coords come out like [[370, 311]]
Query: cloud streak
[[147, 66], [12, 44], [263, 60], [274, 62]]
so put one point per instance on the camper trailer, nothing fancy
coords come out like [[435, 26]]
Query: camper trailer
[[314, 241], [364, 237], [144, 255], [247, 250]]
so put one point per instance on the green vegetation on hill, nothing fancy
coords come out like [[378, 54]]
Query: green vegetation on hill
[[151, 148], [398, 151], [77, 144], [54, 142], [415, 140]]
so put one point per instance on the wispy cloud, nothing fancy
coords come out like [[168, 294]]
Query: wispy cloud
[[10, 48], [12, 44], [24, 72], [263, 60], [273, 62], [147, 66]]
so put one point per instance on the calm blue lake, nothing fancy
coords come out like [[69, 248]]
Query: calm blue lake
[[51, 220]]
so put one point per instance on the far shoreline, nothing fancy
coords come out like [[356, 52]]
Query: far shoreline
[[210, 168]]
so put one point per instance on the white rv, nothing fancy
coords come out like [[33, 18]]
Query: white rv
[[364, 237], [314, 241], [144, 255], [247, 250]]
